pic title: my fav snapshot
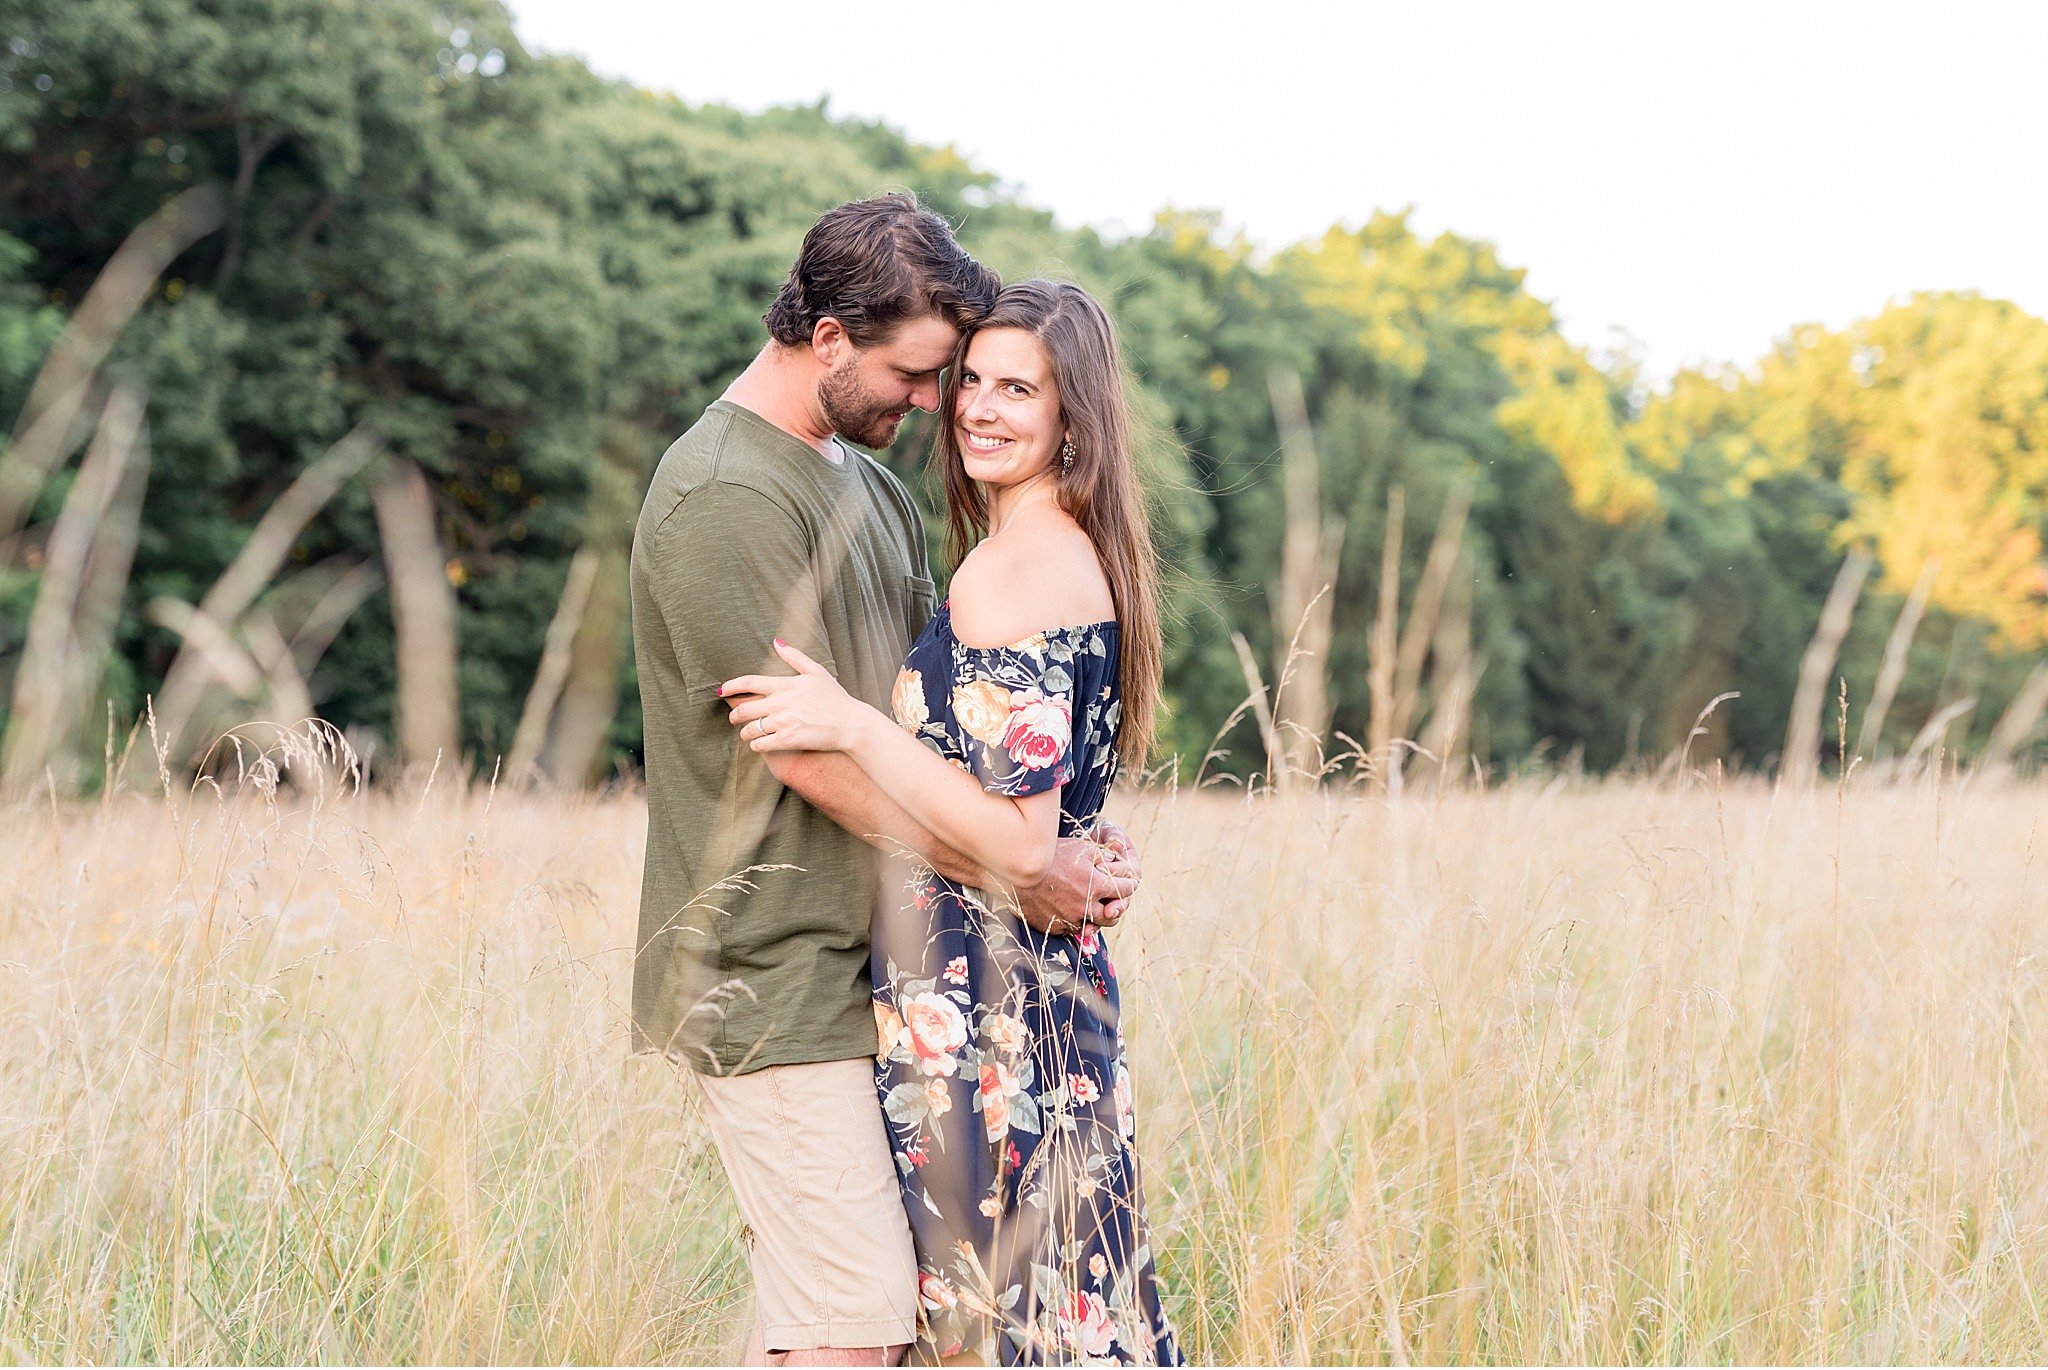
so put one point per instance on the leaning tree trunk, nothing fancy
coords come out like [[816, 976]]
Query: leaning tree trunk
[[1303, 601], [45, 430], [68, 632], [423, 614], [1802, 733]]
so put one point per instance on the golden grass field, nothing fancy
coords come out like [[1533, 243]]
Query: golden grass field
[[1566, 1071]]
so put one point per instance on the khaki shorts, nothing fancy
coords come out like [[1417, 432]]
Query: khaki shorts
[[808, 1156]]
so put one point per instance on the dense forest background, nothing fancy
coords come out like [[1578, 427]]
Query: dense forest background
[[525, 280]]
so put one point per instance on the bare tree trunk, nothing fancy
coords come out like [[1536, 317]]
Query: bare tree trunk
[[251, 152], [1385, 639], [553, 670], [1427, 606], [262, 675], [269, 544], [590, 700], [1302, 602], [54, 667], [288, 700], [100, 598], [44, 430], [1935, 729], [1262, 710], [1454, 673], [1802, 733], [2015, 727], [1448, 734], [423, 614], [1893, 671], [590, 695], [226, 660], [337, 604]]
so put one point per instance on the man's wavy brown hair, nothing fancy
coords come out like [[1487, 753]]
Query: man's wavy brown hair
[[875, 264]]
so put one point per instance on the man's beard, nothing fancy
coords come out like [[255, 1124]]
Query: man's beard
[[855, 414]]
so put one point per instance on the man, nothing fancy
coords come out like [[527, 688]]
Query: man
[[760, 884]]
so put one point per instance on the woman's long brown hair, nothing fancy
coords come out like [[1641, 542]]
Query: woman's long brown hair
[[1101, 491]]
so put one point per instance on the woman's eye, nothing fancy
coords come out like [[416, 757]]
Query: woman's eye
[[1015, 389]]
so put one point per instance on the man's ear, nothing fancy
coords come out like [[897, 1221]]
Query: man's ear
[[829, 342]]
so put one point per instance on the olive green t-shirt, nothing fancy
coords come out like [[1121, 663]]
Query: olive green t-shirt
[[755, 907]]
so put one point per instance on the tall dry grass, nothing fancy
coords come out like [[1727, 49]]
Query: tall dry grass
[[1552, 1072]]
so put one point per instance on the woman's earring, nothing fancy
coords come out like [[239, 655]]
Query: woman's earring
[[1066, 456]]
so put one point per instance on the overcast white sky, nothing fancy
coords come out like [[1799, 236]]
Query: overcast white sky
[[1702, 176]]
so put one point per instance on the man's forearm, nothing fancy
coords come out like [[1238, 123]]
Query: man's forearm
[[1077, 889], [831, 783]]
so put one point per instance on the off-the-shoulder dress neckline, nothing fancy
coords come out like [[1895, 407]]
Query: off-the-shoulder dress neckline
[[945, 616]]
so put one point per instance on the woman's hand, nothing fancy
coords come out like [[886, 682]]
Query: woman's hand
[[805, 712]]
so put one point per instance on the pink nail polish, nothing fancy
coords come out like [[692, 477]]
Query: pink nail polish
[[780, 643]]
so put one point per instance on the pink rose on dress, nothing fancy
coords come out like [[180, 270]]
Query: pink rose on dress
[[937, 1030], [1086, 1091], [1085, 1324], [956, 971], [1039, 729]]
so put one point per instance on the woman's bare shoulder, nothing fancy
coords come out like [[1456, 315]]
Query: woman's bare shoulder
[[1041, 572]]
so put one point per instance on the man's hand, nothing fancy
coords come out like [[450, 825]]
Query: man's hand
[[1091, 883]]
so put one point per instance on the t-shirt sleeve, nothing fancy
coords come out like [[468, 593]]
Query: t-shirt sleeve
[[1014, 713], [732, 570]]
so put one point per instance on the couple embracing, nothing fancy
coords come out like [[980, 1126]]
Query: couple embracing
[[870, 817]]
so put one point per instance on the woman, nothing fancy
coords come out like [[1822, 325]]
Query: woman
[[1001, 1061]]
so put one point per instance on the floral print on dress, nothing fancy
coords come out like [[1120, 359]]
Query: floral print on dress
[[1000, 1059]]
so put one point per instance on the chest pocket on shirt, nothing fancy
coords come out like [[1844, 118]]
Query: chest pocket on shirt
[[922, 599]]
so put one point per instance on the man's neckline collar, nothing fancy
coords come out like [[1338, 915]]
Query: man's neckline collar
[[845, 449]]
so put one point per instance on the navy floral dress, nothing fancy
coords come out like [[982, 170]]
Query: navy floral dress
[[1001, 1060]]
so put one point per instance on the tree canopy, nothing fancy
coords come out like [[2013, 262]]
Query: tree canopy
[[527, 279]]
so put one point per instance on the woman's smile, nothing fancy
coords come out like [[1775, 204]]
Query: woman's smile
[[1006, 409]]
